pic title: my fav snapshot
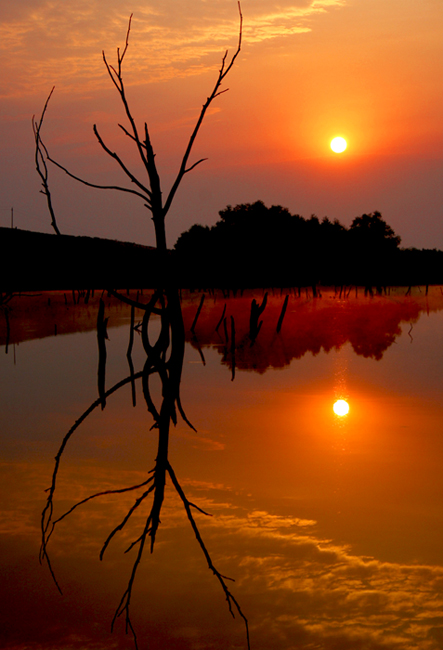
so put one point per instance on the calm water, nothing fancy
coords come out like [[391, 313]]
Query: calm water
[[331, 527]]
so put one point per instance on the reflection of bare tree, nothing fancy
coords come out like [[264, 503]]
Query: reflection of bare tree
[[164, 358]]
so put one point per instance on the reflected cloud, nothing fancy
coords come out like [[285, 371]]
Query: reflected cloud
[[301, 590], [310, 592]]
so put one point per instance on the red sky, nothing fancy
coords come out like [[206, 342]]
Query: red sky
[[308, 70]]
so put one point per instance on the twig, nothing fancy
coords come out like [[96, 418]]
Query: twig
[[41, 153], [221, 578]]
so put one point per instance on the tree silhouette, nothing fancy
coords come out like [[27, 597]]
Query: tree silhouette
[[270, 247], [148, 188], [374, 245], [165, 356], [373, 231]]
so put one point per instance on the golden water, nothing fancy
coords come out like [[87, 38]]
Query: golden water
[[331, 526]]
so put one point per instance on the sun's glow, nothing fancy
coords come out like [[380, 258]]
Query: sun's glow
[[338, 145], [341, 407]]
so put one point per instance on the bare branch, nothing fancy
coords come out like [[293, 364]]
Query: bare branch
[[100, 494], [224, 70], [189, 169], [221, 578], [146, 156], [126, 132], [221, 92], [208, 514], [95, 185], [126, 44], [125, 601], [121, 163], [152, 169], [112, 73], [46, 517], [116, 77], [127, 517], [41, 154], [183, 414]]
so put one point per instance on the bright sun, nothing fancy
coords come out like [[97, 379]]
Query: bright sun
[[338, 145], [341, 407]]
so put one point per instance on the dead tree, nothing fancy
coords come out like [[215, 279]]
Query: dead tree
[[148, 189], [165, 356]]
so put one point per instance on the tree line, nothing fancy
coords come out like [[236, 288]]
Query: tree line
[[253, 245]]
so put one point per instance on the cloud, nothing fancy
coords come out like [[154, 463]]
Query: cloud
[[48, 42], [298, 589]]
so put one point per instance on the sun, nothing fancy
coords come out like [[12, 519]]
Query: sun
[[338, 145], [341, 407]]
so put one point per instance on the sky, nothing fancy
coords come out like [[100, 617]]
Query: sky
[[309, 70]]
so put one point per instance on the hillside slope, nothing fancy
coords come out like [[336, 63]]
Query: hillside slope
[[33, 261]]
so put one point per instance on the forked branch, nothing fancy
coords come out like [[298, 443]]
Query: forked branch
[[223, 72], [96, 185], [41, 155], [116, 77]]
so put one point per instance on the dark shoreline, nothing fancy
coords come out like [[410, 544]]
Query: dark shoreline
[[33, 261]]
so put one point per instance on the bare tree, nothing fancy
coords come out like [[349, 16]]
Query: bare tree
[[148, 189], [165, 356]]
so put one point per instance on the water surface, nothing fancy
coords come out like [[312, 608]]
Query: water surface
[[332, 527]]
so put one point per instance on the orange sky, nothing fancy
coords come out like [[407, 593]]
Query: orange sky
[[308, 70]]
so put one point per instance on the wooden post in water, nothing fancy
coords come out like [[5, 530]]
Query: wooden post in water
[[198, 313], [232, 348], [101, 337], [221, 319], [282, 313]]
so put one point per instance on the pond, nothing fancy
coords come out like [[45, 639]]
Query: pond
[[331, 526]]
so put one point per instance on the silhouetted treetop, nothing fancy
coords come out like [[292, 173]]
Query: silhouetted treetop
[[254, 245], [254, 214], [372, 230]]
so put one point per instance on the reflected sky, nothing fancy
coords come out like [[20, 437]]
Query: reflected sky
[[332, 527]]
